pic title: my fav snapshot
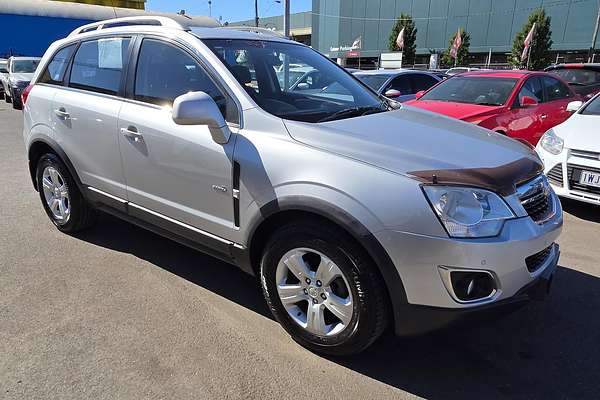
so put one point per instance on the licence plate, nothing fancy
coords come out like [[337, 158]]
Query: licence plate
[[590, 178]]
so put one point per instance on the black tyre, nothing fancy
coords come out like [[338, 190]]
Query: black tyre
[[16, 102], [61, 197], [323, 288], [7, 97]]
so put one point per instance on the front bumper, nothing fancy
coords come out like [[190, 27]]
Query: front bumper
[[418, 258], [562, 171]]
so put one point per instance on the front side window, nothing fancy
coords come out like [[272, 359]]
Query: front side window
[[555, 89], [98, 65], [423, 82], [55, 71], [402, 84], [578, 76], [532, 88], [23, 66], [487, 91], [267, 69], [165, 72], [375, 82]]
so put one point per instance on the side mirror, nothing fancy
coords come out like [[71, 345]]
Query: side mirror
[[198, 108], [574, 106], [527, 102], [302, 86], [393, 93], [419, 94]]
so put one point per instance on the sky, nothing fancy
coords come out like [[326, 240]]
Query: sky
[[229, 10]]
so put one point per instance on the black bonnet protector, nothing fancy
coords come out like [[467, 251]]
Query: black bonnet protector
[[502, 179]]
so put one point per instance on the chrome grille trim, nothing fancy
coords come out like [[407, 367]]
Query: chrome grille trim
[[590, 155], [536, 198]]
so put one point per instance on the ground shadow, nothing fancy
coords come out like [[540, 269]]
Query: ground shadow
[[581, 210], [546, 350]]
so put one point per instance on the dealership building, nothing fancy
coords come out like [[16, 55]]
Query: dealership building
[[492, 24]]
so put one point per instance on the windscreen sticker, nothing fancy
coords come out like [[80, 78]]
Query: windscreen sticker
[[110, 54]]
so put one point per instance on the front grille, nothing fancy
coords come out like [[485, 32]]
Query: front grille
[[574, 175], [591, 155], [555, 175], [536, 200], [535, 261]]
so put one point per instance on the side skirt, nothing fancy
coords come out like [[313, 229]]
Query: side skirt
[[177, 231]]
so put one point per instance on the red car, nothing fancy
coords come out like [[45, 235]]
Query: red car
[[520, 104]]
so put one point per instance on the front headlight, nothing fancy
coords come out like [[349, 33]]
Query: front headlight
[[468, 212], [552, 143]]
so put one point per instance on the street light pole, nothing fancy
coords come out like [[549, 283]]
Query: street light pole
[[286, 18], [593, 48], [256, 13]]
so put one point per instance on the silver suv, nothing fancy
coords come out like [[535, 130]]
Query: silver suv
[[356, 213]]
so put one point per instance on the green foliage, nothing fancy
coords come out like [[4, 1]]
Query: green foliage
[[410, 38], [463, 51], [539, 57]]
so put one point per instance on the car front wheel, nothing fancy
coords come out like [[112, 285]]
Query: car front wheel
[[323, 288]]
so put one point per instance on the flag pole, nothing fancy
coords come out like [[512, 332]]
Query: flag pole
[[528, 57]]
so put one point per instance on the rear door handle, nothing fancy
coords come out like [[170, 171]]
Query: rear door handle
[[62, 113], [132, 133]]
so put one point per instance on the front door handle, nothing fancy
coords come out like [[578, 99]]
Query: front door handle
[[543, 116], [62, 113], [132, 133]]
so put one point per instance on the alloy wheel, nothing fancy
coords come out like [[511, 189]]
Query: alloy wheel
[[56, 195]]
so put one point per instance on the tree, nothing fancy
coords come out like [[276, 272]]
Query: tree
[[539, 51], [410, 38], [463, 51]]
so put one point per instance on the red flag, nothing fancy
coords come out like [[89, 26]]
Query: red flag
[[400, 40], [527, 43], [456, 44]]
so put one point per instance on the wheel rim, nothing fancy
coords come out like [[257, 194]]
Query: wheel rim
[[56, 195], [314, 292]]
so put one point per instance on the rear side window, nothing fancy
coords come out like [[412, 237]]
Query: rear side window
[[55, 71], [165, 72], [98, 65], [422, 82], [555, 89]]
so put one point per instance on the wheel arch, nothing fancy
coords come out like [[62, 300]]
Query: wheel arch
[[42, 145], [276, 212]]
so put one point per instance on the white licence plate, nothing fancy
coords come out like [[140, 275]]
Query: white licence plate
[[590, 178]]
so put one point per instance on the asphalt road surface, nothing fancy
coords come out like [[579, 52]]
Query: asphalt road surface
[[117, 312]]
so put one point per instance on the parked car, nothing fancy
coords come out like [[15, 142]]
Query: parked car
[[20, 72], [460, 70], [398, 84], [571, 153], [355, 215], [3, 73], [584, 79], [520, 104]]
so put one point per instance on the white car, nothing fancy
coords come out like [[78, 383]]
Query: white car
[[571, 153]]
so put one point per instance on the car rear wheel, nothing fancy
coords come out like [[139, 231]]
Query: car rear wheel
[[323, 288], [16, 102], [7, 97], [60, 196]]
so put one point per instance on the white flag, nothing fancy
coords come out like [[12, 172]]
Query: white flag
[[357, 44], [400, 40], [527, 43]]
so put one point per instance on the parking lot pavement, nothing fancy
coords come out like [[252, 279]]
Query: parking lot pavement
[[117, 312]]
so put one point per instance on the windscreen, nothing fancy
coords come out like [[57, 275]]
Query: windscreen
[[293, 81], [593, 108], [24, 66], [473, 90]]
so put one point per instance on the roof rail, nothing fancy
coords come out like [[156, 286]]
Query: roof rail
[[128, 21], [254, 29]]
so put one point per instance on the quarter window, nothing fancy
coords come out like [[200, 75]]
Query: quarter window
[[55, 71], [165, 72], [98, 65]]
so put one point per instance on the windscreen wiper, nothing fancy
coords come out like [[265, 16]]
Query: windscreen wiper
[[353, 111]]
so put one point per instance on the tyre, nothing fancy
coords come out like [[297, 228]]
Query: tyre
[[323, 288], [61, 197], [7, 97], [16, 101]]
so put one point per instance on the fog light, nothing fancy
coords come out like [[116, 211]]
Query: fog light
[[467, 286]]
